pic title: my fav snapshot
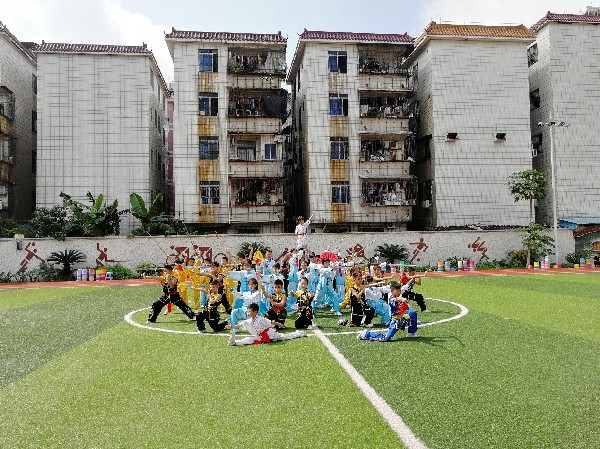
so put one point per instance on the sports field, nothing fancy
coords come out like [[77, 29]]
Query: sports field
[[521, 369]]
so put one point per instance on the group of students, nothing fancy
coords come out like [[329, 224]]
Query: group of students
[[258, 298]]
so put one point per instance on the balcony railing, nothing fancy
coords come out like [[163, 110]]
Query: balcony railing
[[246, 61]]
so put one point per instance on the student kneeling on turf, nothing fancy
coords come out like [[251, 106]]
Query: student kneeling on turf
[[260, 330], [211, 310], [403, 316]]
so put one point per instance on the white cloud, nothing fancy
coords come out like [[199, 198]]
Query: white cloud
[[497, 12], [134, 28]]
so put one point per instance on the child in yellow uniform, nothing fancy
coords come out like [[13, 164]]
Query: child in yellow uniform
[[181, 274], [228, 283], [199, 277]]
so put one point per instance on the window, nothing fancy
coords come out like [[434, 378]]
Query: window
[[340, 192], [207, 60], [208, 103], [34, 83], [415, 75], [339, 148], [151, 79], [338, 104], [534, 99], [245, 150], [34, 121], [532, 55], [270, 151], [338, 61], [209, 147], [209, 192], [536, 145]]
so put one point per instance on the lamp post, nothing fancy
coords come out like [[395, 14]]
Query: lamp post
[[552, 124]]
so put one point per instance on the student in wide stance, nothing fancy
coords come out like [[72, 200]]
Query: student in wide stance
[[170, 296], [260, 330], [403, 317]]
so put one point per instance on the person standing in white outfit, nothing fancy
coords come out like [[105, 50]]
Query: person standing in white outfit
[[301, 231]]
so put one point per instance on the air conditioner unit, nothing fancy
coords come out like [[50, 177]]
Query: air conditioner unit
[[426, 204], [534, 152]]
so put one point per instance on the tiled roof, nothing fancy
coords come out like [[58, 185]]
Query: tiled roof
[[47, 47], [509, 31], [229, 37], [354, 37], [564, 18], [25, 49]]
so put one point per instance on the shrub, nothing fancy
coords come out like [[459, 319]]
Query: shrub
[[44, 273], [67, 259], [573, 258], [121, 272], [518, 257], [392, 253]]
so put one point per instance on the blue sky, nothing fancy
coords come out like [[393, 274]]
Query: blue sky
[[131, 22]]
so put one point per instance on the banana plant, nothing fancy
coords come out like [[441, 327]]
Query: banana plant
[[153, 221], [97, 220]]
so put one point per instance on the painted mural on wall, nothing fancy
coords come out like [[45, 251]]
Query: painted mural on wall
[[424, 248]]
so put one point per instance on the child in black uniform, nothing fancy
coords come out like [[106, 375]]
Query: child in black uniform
[[211, 310], [170, 295]]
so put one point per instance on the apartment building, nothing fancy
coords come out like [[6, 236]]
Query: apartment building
[[564, 62], [18, 127], [228, 141], [101, 124], [473, 128], [352, 139]]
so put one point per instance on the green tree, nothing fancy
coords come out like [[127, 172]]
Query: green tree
[[97, 220], [537, 240], [8, 228], [392, 253], [50, 222], [528, 185], [247, 249], [153, 221], [67, 259]]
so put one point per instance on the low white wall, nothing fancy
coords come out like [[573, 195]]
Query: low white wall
[[424, 248]]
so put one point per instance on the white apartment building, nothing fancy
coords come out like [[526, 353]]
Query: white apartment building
[[228, 117], [101, 124], [18, 89], [351, 139], [564, 63], [472, 105]]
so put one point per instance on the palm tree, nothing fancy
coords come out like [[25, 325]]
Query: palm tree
[[67, 259], [391, 253]]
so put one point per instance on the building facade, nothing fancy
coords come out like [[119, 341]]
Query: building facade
[[228, 118], [102, 124], [473, 130], [564, 63], [351, 138], [18, 127]]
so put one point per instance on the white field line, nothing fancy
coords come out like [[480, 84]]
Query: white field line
[[154, 327], [406, 435]]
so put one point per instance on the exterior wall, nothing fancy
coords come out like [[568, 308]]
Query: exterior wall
[[189, 170], [424, 248], [318, 170], [566, 75], [100, 128], [476, 89], [17, 71]]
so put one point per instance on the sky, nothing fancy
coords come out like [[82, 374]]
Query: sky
[[133, 22]]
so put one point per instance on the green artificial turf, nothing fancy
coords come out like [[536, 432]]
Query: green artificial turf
[[519, 371]]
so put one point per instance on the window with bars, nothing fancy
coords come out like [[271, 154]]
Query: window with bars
[[534, 99], [208, 60], [270, 151], [338, 61], [208, 103], [338, 104], [209, 192], [245, 150], [339, 148], [340, 192], [209, 147]]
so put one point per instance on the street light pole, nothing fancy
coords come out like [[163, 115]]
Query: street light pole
[[551, 124]]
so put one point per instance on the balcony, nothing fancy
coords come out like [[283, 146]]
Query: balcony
[[257, 103], [244, 61], [390, 191], [392, 149], [256, 200], [254, 125]]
